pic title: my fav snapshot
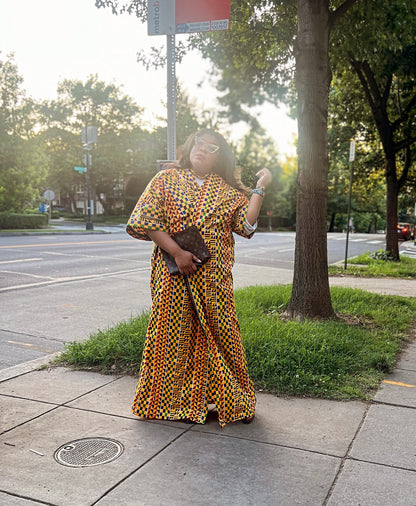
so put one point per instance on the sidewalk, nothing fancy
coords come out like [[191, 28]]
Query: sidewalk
[[298, 451]]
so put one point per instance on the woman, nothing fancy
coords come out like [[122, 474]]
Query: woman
[[193, 353]]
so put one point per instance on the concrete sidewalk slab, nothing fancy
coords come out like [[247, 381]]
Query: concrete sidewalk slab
[[202, 469], [39, 477], [407, 358], [383, 286], [402, 390], [366, 484], [58, 385], [387, 437], [317, 425], [9, 500], [15, 411], [114, 398]]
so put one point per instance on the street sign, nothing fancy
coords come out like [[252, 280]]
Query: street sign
[[161, 17], [167, 17], [81, 170], [89, 135], [49, 195], [201, 15], [352, 151]]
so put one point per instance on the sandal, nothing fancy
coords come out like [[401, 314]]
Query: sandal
[[248, 420]]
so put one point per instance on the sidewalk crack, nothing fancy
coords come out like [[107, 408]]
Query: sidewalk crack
[[347, 455]]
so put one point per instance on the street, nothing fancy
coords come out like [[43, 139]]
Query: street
[[60, 288]]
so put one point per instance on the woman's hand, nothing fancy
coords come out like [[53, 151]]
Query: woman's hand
[[265, 177], [185, 261]]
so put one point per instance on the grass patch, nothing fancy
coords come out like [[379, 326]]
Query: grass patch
[[374, 266], [342, 358]]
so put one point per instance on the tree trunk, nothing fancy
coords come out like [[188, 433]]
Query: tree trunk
[[392, 243], [310, 294]]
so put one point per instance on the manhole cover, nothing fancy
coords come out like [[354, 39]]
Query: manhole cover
[[88, 452]]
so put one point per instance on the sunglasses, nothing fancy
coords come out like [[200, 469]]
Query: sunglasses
[[200, 143]]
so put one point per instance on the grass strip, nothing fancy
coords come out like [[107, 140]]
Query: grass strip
[[376, 265], [342, 358]]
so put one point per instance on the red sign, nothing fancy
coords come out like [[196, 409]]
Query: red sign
[[201, 15], [166, 17]]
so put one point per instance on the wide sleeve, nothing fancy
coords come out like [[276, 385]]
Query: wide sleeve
[[240, 219], [149, 212]]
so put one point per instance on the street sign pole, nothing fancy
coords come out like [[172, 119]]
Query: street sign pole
[[88, 136], [167, 17], [89, 225], [351, 160], [171, 97]]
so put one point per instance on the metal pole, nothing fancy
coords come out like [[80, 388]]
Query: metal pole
[[89, 225], [171, 96], [349, 216]]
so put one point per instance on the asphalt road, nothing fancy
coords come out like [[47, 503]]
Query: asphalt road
[[60, 288]]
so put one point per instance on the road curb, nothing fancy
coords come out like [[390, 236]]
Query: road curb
[[26, 367]]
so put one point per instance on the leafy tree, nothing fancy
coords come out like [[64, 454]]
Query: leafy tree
[[79, 105], [380, 83], [285, 203], [23, 165], [254, 152]]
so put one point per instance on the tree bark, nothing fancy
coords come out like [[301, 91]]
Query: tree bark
[[310, 294], [393, 187]]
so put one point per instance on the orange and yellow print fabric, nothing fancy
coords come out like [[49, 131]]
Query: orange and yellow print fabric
[[193, 352]]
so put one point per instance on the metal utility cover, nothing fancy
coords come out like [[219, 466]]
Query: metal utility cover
[[88, 452]]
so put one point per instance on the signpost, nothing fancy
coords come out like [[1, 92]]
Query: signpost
[[89, 135], [49, 195], [349, 220], [168, 17]]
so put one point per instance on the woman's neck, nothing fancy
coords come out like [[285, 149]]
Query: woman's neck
[[198, 174]]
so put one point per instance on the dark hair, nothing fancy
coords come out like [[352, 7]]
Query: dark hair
[[225, 165]]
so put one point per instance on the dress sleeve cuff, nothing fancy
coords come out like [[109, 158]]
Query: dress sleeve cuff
[[249, 229]]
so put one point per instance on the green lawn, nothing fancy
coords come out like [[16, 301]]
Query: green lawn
[[376, 265]]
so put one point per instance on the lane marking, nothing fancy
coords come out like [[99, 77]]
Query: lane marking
[[31, 346], [26, 274], [21, 260], [398, 384], [63, 244], [75, 278]]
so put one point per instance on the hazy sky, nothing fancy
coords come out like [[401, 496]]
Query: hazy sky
[[71, 39]]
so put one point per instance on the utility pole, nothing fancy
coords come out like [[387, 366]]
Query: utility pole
[[89, 136]]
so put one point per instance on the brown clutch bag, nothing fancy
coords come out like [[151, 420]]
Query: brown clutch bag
[[190, 240]]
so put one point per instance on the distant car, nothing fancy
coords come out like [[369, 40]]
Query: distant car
[[405, 231], [61, 209]]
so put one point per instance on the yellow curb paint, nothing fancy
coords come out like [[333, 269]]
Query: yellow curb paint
[[399, 384]]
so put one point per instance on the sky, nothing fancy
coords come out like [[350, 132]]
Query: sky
[[54, 40]]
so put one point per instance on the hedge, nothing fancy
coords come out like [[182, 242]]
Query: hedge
[[22, 221]]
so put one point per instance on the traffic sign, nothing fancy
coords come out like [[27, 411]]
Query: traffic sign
[[167, 17], [49, 195], [81, 170], [352, 151]]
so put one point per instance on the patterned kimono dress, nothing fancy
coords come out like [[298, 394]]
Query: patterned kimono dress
[[193, 354]]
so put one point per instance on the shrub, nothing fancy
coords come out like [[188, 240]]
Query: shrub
[[21, 221]]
